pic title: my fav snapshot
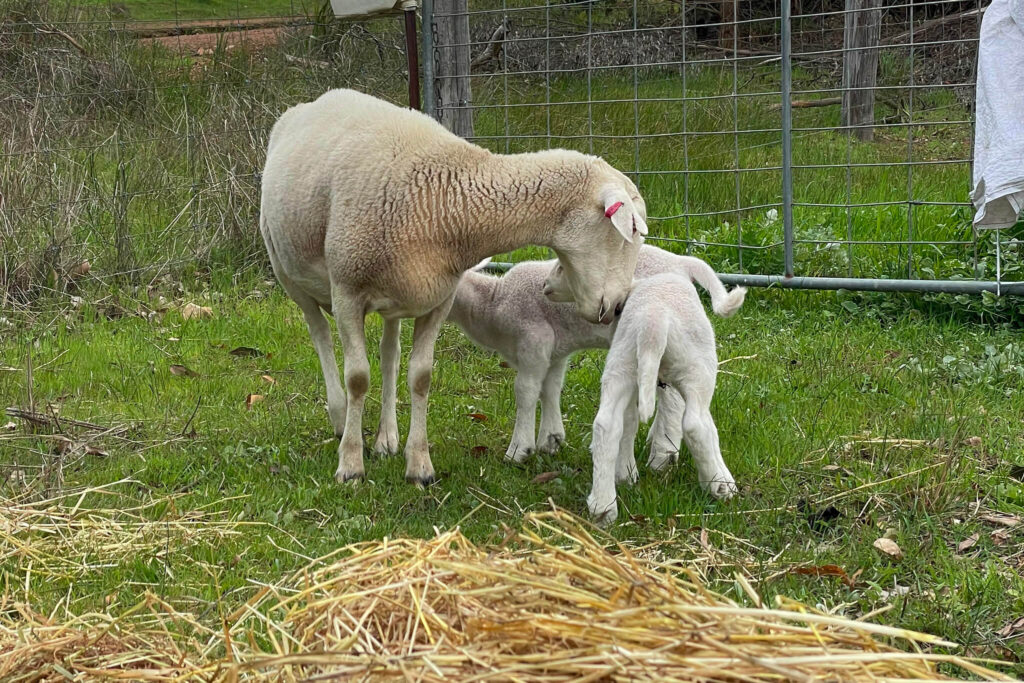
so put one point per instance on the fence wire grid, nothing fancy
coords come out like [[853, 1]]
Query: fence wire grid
[[133, 136], [862, 182]]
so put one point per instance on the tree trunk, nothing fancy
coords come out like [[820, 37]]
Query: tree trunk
[[454, 93], [861, 37]]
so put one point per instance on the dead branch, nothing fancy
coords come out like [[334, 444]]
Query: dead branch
[[44, 419], [808, 104], [934, 23], [493, 48]]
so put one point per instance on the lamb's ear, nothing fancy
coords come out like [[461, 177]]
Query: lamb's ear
[[620, 209], [482, 264]]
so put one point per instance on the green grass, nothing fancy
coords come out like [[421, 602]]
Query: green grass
[[819, 375]]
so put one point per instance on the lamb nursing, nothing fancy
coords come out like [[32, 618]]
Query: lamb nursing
[[536, 336], [368, 207]]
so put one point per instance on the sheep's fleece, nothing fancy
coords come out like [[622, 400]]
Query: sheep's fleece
[[665, 335], [536, 336], [370, 207]]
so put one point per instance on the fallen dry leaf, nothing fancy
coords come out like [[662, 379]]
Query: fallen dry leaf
[[1001, 537], [10, 427], [182, 371], [544, 477], [1012, 627], [251, 399], [1001, 519], [973, 441], [825, 570], [245, 352], [190, 310], [704, 542], [92, 450], [477, 417], [888, 547], [478, 451], [968, 543], [268, 379]]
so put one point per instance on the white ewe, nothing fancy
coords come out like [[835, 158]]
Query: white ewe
[[537, 336], [663, 334], [369, 207]]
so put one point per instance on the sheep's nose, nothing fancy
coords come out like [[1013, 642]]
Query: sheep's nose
[[618, 309], [547, 289]]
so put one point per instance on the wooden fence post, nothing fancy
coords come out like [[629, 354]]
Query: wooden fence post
[[863, 30], [454, 94]]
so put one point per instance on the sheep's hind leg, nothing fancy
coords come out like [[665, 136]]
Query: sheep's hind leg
[[604, 449], [323, 342], [528, 386], [552, 431], [390, 352], [418, 468], [666, 434], [701, 437], [625, 463], [350, 318]]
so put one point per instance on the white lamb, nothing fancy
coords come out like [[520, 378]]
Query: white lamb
[[664, 335], [370, 207], [537, 336]]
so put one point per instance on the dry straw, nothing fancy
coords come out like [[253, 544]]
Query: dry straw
[[552, 603]]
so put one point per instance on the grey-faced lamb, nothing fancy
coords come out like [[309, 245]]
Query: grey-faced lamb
[[368, 207], [537, 336]]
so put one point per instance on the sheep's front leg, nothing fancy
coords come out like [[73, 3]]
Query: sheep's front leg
[[348, 313], [390, 352], [418, 468], [552, 431], [666, 432], [529, 380], [604, 448]]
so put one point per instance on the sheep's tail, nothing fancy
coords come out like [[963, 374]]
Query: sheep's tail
[[723, 303], [483, 264], [650, 347]]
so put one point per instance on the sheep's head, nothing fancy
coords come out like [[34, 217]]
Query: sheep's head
[[597, 249]]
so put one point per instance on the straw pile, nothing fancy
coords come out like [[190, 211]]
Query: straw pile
[[552, 603], [563, 606]]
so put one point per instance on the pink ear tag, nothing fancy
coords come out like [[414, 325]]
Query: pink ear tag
[[610, 211]]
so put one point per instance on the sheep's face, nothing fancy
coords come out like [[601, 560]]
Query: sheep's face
[[597, 249]]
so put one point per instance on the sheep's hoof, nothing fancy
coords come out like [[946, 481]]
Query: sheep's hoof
[[627, 477], [552, 444], [422, 480], [341, 476], [723, 489], [518, 454], [603, 514], [386, 444], [659, 462]]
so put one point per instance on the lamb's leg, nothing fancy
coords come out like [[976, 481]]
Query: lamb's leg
[[552, 431], [604, 448], [666, 435], [701, 437], [349, 316], [418, 468], [625, 463], [529, 380], [390, 352]]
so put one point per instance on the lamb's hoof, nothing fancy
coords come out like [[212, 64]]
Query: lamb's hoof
[[552, 444], [659, 462], [386, 444], [628, 477], [722, 489], [518, 454], [342, 476], [603, 513]]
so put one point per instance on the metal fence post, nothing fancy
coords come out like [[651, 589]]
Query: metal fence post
[[427, 28], [787, 140]]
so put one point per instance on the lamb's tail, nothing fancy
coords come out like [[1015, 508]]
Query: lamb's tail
[[723, 303], [650, 347], [483, 264]]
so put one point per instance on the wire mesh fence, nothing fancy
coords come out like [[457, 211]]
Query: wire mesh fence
[[133, 134], [861, 182]]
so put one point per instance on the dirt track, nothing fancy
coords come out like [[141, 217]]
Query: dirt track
[[201, 43]]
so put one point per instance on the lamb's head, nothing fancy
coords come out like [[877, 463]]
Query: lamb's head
[[597, 246]]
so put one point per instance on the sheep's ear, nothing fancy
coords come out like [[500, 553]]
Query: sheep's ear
[[619, 208]]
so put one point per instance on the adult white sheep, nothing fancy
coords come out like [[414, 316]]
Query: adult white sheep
[[368, 207]]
